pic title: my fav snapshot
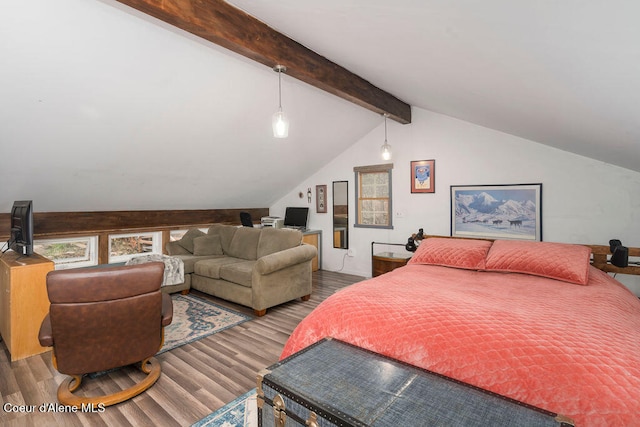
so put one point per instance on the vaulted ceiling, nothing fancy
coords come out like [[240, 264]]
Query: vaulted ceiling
[[562, 73], [104, 107]]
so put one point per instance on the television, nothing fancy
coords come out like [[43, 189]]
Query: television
[[296, 217], [21, 239]]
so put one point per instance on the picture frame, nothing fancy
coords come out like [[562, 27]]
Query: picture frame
[[511, 211], [321, 198], [423, 176]]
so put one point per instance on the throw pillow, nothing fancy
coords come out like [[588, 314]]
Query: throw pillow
[[560, 261], [187, 240], [458, 253], [207, 245]]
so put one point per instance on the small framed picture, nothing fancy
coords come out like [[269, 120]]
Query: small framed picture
[[321, 198], [423, 176]]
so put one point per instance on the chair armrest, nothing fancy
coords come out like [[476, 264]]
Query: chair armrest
[[167, 309], [45, 336], [283, 259]]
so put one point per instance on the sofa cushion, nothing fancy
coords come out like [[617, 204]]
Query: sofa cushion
[[187, 240], [245, 243], [274, 240], [210, 267], [190, 261], [226, 233], [239, 272], [207, 245]]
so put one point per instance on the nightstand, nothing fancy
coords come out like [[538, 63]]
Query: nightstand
[[383, 261]]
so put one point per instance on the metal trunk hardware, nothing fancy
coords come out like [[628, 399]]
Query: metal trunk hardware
[[279, 411], [313, 420]]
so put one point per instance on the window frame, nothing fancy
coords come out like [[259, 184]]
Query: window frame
[[382, 168], [156, 246], [89, 261]]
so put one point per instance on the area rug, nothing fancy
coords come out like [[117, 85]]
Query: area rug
[[241, 412], [195, 318]]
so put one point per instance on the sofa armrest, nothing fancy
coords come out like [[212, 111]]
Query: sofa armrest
[[283, 259], [173, 248]]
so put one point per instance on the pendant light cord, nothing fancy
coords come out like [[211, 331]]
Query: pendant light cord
[[385, 128], [280, 89]]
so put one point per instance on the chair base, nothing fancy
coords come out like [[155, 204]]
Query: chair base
[[149, 366]]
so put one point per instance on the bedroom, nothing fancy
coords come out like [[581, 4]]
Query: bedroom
[[105, 160]]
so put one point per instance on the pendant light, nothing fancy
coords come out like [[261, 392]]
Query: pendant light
[[385, 150], [280, 122]]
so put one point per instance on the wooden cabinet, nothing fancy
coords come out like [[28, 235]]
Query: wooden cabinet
[[314, 237], [23, 302], [384, 262]]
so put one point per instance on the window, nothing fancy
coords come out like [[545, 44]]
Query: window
[[373, 196], [123, 247], [69, 253], [175, 235]]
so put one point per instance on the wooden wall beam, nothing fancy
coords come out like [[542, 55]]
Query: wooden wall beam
[[221, 23], [84, 223]]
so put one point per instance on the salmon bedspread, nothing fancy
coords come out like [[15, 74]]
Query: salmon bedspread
[[567, 348]]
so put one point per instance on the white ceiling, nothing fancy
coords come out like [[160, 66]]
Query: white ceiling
[[562, 73], [105, 108]]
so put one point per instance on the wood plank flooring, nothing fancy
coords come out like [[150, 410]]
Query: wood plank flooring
[[197, 378]]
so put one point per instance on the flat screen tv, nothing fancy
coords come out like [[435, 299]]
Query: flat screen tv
[[21, 239], [296, 217]]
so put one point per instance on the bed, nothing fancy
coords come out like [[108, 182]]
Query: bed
[[534, 321]]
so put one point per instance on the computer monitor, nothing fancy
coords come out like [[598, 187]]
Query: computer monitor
[[296, 217], [21, 239]]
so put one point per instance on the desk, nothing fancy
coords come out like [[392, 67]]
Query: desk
[[23, 302], [386, 261]]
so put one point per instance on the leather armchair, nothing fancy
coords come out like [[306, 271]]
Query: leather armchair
[[105, 318]]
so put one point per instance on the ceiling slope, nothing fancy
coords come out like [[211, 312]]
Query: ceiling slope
[[221, 23], [107, 108], [561, 73]]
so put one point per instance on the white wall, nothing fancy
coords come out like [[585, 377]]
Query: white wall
[[583, 200]]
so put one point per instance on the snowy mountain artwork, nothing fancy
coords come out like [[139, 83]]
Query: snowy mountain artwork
[[497, 211]]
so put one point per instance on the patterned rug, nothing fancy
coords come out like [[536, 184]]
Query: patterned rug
[[195, 318], [241, 412]]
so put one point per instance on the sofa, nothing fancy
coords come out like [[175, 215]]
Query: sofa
[[255, 267]]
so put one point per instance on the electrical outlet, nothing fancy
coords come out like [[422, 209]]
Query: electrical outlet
[[351, 252], [400, 214]]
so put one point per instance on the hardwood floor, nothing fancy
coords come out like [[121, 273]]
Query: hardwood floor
[[196, 379]]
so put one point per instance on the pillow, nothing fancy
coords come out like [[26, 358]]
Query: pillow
[[459, 253], [560, 261], [187, 240], [207, 245]]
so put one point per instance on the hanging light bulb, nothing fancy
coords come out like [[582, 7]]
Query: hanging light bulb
[[279, 121], [385, 150]]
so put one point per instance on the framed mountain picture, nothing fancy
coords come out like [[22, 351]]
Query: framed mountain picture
[[497, 211]]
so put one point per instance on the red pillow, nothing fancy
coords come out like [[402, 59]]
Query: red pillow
[[459, 253], [560, 261]]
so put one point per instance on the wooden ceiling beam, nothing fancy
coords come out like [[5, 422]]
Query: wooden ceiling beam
[[223, 24]]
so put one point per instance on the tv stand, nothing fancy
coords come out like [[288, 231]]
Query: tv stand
[[23, 302]]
